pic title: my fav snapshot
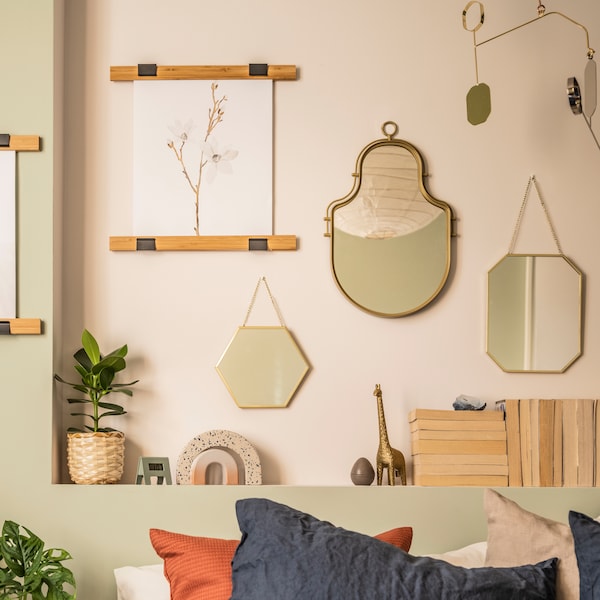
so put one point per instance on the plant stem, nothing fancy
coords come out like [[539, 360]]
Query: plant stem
[[215, 116]]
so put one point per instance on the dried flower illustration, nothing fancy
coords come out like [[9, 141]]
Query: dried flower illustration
[[212, 158], [181, 131], [217, 159]]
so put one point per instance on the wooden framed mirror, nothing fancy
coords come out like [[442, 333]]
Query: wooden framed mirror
[[390, 238]]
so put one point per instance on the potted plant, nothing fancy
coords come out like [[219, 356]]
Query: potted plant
[[28, 570], [95, 454]]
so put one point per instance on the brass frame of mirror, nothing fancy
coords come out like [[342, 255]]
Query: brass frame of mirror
[[409, 244], [534, 315], [534, 305], [263, 365]]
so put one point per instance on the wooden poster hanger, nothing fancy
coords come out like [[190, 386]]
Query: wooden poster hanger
[[154, 72], [20, 143]]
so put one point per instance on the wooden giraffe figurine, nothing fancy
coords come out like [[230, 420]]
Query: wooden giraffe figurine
[[387, 457]]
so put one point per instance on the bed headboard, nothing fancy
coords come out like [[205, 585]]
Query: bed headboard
[[442, 518]]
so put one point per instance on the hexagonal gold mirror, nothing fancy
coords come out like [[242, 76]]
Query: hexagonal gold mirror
[[262, 367], [534, 313]]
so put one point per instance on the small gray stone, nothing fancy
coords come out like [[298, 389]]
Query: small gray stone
[[463, 402]]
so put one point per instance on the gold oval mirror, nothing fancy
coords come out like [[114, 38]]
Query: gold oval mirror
[[390, 239], [534, 313]]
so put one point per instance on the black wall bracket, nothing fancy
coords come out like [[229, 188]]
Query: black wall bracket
[[147, 70], [145, 244], [258, 69]]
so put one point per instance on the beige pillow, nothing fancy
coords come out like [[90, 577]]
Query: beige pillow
[[519, 537]]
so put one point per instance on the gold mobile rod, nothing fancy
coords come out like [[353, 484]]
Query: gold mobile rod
[[590, 51]]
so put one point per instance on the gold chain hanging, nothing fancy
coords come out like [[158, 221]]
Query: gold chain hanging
[[532, 180], [253, 300]]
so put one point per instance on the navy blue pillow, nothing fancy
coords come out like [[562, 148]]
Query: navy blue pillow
[[285, 554], [586, 534]]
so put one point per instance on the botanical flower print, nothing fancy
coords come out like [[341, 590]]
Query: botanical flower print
[[182, 132], [202, 158], [217, 160], [212, 160]]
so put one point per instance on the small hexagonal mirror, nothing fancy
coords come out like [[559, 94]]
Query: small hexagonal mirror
[[262, 367]]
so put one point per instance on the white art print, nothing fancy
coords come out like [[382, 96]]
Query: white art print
[[8, 253], [203, 158]]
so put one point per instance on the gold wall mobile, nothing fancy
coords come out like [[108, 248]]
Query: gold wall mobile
[[479, 104]]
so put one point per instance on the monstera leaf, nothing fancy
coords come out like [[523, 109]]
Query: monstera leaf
[[29, 571]]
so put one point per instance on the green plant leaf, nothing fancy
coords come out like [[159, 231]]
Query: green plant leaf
[[105, 378], [116, 363], [79, 414], [90, 345], [112, 413], [81, 370], [118, 385], [29, 570], [97, 374], [110, 406], [83, 359], [122, 352], [77, 386], [125, 391]]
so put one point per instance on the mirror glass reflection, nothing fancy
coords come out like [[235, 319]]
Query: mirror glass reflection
[[390, 247], [262, 367], [534, 313]]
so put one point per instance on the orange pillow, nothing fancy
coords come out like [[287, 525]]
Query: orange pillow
[[401, 537], [199, 568]]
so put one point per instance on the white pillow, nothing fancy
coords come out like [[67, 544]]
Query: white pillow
[[470, 556], [142, 583]]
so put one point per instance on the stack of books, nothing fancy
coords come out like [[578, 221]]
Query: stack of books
[[463, 447], [553, 442]]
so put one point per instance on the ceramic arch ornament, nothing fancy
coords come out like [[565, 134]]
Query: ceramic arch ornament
[[233, 443]]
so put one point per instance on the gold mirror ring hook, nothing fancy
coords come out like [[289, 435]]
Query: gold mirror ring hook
[[590, 53], [390, 129], [481, 15], [541, 10]]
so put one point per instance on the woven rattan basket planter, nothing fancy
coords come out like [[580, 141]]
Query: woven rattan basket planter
[[95, 458]]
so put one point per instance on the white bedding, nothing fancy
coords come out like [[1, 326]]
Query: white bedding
[[142, 583]]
